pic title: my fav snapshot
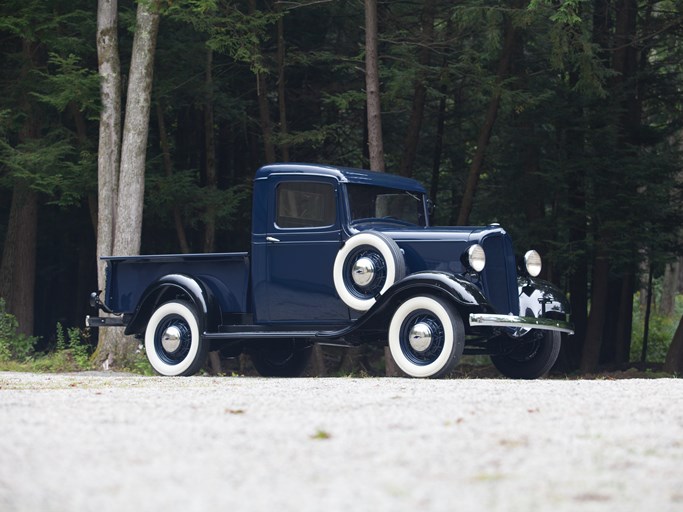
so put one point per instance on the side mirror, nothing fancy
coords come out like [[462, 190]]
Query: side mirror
[[430, 207]]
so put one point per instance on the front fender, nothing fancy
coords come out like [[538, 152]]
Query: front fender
[[540, 298], [466, 296], [463, 292], [169, 287]]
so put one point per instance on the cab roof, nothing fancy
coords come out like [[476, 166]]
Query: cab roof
[[343, 175]]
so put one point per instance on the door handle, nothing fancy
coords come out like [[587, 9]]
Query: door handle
[[272, 239]]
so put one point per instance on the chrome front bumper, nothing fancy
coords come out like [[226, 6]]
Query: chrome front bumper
[[523, 322]]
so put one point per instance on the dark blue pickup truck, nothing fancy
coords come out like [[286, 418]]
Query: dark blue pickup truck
[[342, 256]]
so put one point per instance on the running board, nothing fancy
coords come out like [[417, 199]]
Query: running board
[[250, 335]]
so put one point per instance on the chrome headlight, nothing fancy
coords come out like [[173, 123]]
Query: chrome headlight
[[533, 263], [476, 257]]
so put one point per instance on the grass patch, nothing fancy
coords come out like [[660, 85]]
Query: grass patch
[[321, 435], [661, 331]]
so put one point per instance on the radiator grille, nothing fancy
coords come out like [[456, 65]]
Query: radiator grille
[[499, 278]]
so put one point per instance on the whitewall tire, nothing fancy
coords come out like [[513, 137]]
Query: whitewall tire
[[426, 337], [366, 266], [173, 341]]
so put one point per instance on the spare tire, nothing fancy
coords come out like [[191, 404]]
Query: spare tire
[[366, 266]]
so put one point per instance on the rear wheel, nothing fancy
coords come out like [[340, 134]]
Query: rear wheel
[[173, 341], [280, 359], [426, 337], [532, 357]]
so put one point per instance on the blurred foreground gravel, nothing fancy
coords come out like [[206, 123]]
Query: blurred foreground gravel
[[116, 443]]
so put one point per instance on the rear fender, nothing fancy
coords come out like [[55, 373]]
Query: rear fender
[[174, 286]]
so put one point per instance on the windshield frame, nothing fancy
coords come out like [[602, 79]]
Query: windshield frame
[[364, 208]]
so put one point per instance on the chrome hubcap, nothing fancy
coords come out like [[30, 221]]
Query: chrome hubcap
[[420, 337], [170, 339], [363, 271]]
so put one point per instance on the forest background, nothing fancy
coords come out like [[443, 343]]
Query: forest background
[[561, 120]]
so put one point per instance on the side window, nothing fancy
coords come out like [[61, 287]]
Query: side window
[[305, 205]]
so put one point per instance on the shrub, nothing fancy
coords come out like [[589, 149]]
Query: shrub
[[73, 345], [13, 345], [661, 332]]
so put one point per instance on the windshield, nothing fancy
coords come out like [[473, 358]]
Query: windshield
[[369, 203]]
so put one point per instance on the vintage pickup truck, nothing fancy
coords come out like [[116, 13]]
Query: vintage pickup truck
[[341, 256]]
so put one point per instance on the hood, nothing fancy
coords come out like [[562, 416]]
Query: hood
[[440, 234], [443, 249]]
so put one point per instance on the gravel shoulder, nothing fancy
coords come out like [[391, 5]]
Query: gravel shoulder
[[84, 442]]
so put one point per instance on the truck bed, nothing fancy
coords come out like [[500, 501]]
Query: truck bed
[[225, 274]]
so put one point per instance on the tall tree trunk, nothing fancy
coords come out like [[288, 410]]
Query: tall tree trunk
[[264, 115], [626, 64], [669, 289], [438, 145], [674, 356], [460, 159], [210, 151], [127, 202], [625, 322], [281, 90], [487, 127], [128, 229], [168, 171], [596, 319], [374, 108], [608, 347], [82, 135], [85, 256], [18, 267], [412, 137], [589, 327], [440, 121], [262, 98], [570, 353], [109, 150]]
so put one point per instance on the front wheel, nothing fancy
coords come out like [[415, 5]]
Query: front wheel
[[173, 341], [426, 337], [533, 357]]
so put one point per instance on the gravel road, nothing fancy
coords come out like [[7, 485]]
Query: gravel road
[[99, 443]]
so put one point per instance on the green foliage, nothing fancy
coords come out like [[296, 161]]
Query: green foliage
[[73, 342], [49, 81], [50, 165], [567, 12], [230, 30], [183, 191], [321, 435], [139, 364], [72, 351], [13, 345], [68, 81], [661, 331]]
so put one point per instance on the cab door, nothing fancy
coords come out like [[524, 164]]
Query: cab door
[[302, 241]]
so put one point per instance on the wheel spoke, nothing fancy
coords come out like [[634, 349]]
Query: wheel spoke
[[379, 273], [432, 352], [426, 336], [182, 329]]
